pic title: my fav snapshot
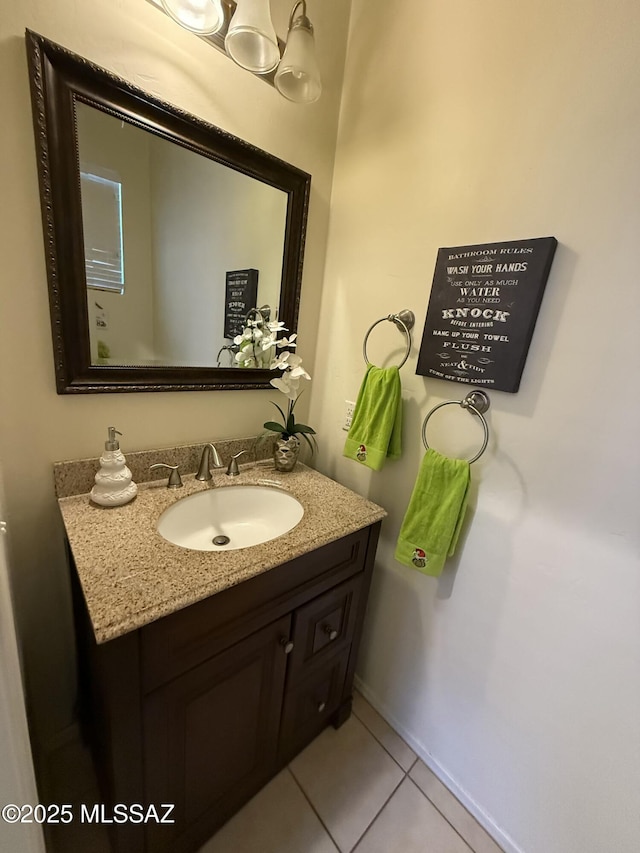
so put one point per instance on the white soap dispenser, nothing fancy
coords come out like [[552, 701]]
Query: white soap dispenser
[[114, 486]]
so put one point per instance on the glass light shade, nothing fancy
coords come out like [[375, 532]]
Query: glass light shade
[[251, 40], [298, 75], [204, 17]]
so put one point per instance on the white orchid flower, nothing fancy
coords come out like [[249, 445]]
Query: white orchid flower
[[299, 373], [288, 342], [291, 365], [267, 340], [288, 388], [281, 385], [245, 356], [276, 326], [281, 361]]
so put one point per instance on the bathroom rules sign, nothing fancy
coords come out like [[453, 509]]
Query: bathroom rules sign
[[482, 311], [240, 296]]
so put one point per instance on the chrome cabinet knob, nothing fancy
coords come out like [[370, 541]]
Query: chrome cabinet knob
[[287, 645], [321, 707], [330, 632]]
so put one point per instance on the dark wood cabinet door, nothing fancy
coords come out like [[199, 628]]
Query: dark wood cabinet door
[[211, 737]]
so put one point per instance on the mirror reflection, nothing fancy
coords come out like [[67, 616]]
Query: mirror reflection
[[162, 234], [177, 247]]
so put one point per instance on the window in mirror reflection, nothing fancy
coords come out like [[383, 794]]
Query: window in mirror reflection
[[102, 228], [185, 221]]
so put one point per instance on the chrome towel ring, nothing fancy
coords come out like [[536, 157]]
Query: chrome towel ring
[[477, 402], [404, 320]]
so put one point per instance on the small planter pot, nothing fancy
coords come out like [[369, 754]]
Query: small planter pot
[[286, 452]]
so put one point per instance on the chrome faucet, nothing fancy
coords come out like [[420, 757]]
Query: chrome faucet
[[209, 458]]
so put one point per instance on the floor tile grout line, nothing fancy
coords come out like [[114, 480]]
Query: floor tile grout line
[[378, 741], [458, 802], [407, 772], [462, 806], [379, 812], [313, 808], [444, 817]]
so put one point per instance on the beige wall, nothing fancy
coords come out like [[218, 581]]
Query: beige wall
[[37, 426], [224, 221], [515, 675]]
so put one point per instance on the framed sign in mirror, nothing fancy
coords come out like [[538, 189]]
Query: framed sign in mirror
[[145, 209], [240, 300]]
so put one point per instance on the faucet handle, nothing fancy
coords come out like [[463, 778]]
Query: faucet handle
[[232, 469], [175, 480]]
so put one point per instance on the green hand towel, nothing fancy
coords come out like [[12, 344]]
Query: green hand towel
[[432, 523], [376, 428]]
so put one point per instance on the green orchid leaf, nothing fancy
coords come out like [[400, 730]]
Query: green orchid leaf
[[284, 417], [304, 428], [308, 440], [274, 427], [293, 402]]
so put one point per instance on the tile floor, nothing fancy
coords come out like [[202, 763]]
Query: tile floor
[[360, 788]]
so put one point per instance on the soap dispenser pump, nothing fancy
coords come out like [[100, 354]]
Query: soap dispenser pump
[[114, 485]]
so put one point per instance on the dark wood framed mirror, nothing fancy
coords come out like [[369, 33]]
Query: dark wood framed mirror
[[161, 233]]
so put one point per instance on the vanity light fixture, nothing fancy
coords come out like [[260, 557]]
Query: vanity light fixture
[[298, 75], [251, 40], [244, 31], [204, 17]]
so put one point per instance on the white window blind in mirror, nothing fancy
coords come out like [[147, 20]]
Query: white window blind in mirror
[[102, 226]]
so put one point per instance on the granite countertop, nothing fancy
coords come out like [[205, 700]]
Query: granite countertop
[[131, 576]]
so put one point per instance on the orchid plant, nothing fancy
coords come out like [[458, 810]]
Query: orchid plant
[[289, 383], [256, 343]]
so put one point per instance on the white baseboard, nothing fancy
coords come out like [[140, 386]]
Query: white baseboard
[[500, 837]]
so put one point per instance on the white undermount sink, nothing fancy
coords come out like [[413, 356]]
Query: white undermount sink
[[230, 517]]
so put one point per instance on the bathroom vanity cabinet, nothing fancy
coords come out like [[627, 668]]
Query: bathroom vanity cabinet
[[201, 707]]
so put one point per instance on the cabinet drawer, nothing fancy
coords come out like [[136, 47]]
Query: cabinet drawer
[[176, 643], [309, 705], [323, 628]]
